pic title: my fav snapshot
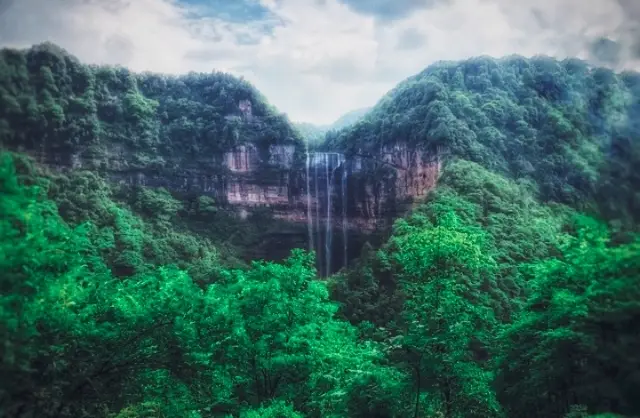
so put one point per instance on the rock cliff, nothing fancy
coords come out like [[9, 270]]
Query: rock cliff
[[378, 186]]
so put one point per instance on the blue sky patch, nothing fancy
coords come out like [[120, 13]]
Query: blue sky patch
[[237, 11], [390, 9]]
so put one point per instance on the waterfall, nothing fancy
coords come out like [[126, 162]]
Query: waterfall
[[320, 194], [317, 209], [343, 202], [309, 217], [327, 240]]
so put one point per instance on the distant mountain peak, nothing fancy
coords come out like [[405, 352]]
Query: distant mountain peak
[[349, 118]]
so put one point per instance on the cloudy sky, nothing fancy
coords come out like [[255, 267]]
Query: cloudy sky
[[317, 59]]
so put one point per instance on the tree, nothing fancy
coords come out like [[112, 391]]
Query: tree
[[575, 342], [443, 270]]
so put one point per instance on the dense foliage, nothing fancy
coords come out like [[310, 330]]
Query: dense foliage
[[118, 124], [110, 117], [512, 290], [502, 293], [569, 128], [500, 305], [79, 340]]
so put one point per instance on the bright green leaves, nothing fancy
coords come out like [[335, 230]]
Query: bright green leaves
[[158, 205], [442, 268], [350, 379], [270, 330], [575, 339], [139, 107], [259, 341], [70, 330], [423, 251], [277, 409], [140, 112]]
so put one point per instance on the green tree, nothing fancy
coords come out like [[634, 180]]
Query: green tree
[[443, 270], [576, 342]]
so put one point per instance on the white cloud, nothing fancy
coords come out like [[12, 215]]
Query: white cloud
[[321, 58]]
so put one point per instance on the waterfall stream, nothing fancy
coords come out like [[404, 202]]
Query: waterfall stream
[[309, 217], [321, 169]]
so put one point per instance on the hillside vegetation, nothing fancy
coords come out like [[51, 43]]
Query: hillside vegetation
[[105, 121], [570, 129], [53, 104], [512, 290], [515, 284]]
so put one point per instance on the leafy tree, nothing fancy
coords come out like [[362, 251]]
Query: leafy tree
[[282, 341], [575, 342], [443, 270]]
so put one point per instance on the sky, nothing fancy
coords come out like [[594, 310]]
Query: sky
[[318, 59]]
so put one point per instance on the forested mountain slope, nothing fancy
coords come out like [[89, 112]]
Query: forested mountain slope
[[81, 340], [53, 104], [570, 128], [513, 287], [117, 124]]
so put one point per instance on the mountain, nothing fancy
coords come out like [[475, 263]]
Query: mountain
[[109, 116], [567, 127], [349, 118], [466, 248], [211, 135], [508, 273], [315, 134]]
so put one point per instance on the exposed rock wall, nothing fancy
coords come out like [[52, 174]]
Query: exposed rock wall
[[384, 185], [375, 191], [379, 187]]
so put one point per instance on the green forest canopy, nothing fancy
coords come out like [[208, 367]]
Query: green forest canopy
[[513, 290], [53, 104]]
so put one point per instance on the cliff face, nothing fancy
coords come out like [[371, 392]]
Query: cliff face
[[376, 188], [198, 134], [366, 191], [386, 182], [202, 133]]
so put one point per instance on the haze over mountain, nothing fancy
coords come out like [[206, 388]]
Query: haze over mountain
[[315, 133], [349, 118], [316, 60]]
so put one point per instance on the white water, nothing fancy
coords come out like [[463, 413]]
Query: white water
[[309, 217], [344, 213], [317, 208], [325, 166], [328, 229]]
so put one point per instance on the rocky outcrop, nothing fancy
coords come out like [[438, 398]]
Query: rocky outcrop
[[245, 183], [332, 201], [379, 187], [384, 185]]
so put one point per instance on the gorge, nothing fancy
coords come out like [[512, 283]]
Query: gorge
[[334, 195]]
